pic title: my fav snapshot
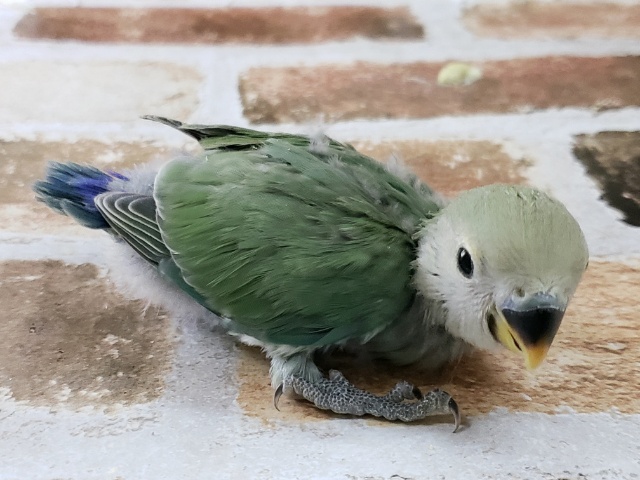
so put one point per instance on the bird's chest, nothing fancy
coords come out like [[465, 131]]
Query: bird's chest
[[417, 337]]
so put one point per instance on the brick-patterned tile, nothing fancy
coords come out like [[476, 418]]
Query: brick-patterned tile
[[592, 366], [23, 161], [66, 337], [47, 91], [226, 25], [613, 160], [554, 20], [368, 90], [451, 166]]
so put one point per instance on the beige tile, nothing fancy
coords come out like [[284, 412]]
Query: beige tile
[[47, 91], [554, 20]]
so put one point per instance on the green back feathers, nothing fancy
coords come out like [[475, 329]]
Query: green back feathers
[[299, 244]]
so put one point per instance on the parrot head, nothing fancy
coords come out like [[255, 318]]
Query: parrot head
[[503, 261]]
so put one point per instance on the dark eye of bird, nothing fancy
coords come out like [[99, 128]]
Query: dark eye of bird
[[465, 264]]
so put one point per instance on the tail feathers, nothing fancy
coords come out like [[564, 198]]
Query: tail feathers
[[70, 189]]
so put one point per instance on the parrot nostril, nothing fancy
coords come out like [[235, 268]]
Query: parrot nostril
[[519, 292]]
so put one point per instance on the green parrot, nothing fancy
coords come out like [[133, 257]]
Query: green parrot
[[303, 245]]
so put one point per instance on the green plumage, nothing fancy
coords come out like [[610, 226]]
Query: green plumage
[[298, 243]]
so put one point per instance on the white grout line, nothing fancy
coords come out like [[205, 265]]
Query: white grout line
[[440, 48], [551, 124], [72, 250]]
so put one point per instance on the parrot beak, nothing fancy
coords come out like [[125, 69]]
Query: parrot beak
[[527, 325]]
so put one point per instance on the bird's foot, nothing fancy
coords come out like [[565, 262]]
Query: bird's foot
[[340, 396]]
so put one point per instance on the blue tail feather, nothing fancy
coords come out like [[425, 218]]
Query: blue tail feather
[[70, 189]]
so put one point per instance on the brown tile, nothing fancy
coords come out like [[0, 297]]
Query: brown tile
[[224, 25], [554, 20], [96, 91], [368, 90], [24, 161], [452, 166], [592, 367], [67, 338], [613, 160]]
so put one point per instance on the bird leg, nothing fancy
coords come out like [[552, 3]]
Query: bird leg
[[340, 396]]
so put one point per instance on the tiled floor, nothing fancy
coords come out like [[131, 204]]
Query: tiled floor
[[105, 373]]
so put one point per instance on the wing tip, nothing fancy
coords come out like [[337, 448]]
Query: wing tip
[[164, 120]]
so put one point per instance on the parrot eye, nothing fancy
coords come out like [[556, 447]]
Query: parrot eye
[[465, 264]]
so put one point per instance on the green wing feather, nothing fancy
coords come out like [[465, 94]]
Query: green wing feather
[[228, 138], [298, 245], [225, 137]]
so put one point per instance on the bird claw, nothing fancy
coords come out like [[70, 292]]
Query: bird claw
[[340, 396], [404, 391], [417, 393], [455, 411], [277, 395]]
